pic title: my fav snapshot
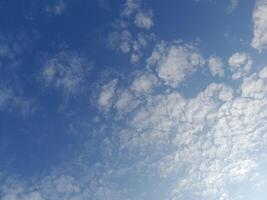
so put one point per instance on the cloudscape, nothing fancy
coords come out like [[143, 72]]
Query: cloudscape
[[133, 100]]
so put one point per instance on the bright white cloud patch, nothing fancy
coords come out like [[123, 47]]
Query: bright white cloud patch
[[260, 25], [240, 64], [216, 66], [174, 62]]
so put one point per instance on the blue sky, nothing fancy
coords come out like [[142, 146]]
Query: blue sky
[[133, 100]]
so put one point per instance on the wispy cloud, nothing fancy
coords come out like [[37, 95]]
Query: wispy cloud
[[66, 71], [56, 8]]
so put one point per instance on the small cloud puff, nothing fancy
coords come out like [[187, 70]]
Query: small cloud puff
[[216, 66], [144, 20], [174, 62], [240, 64]]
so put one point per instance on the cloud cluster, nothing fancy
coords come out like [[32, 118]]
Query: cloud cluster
[[240, 64], [174, 62], [155, 142], [123, 38], [215, 64], [260, 25], [66, 71]]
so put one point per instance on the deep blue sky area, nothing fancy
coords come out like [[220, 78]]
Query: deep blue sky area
[[133, 99]]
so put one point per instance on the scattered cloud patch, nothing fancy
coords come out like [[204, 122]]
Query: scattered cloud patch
[[144, 20], [216, 66], [233, 5], [240, 64], [106, 96], [56, 8], [144, 83], [259, 40], [123, 38], [174, 62], [130, 7], [11, 101], [121, 41], [66, 71]]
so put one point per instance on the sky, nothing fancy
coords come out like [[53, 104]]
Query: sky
[[133, 100]]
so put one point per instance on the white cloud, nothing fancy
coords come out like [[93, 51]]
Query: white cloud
[[66, 71], [259, 40], [263, 73], [144, 20], [174, 62], [17, 191], [125, 101], [233, 5], [240, 64], [200, 144], [66, 184], [197, 147], [144, 83], [125, 39], [120, 41], [106, 96], [216, 66], [130, 7]]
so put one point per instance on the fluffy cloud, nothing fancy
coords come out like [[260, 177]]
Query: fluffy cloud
[[123, 38], [200, 146], [16, 191], [174, 62], [144, 83], [216, 66], [158, 143], [130, 7], [260, 25], [65, 71], [125, 102], [240, 64], [144, 20]]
